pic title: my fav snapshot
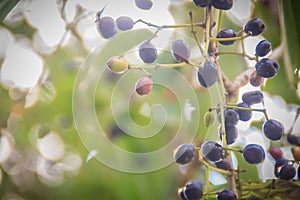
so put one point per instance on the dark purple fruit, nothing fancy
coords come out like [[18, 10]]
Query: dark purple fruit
[[180, 51], [287, 172], [144, 4], [181, 193], [226, 195], [231, 134], [267, 68], [184, 154], [273, 129], [252, 97], [124, 23], [107, 27], [292, 139], [223, 164], [202, 3], [208, 74], [226, 33], [263, 48], [244, 115], [255, 26], [212, 151], [193, 190], [254, 154], [278, 164], [231, 117], [222, 4], [276, 153], [144, 86], [148, 52]]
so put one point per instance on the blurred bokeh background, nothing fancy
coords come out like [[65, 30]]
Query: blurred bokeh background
[[43, 46]]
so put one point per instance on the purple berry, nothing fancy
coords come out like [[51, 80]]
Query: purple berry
[[148, 52], [193, 190], [124, 23], [226, 195], [255, 26], [273, 129], [278, 164], [263, 48], [244, 115], [254, 154], [107, 27], [292, 139], [212, 151], [276, 153], [144, 4], [223, 164], [267, 68], [252, 97], [184, 154], [202, 3], [231, 134], [222, 4], [180, 51], [287, 172], [208, 74], [226, 33]]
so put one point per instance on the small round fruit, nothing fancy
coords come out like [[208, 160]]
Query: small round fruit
[[144, 4], [184, 154], [231, 134], [147, 52], [124, 23], [209, 119], [212, 151], [287, 172], [226, 195], [117, 64], [263, 48], [296, 153], [181, 193], [273, 129], [278, 164], [208, 74], [231, 117], [254, 154], [252, 97], [201, 3], [144, 86], [255, 79], [222, 4], [226, 33], [107, 27], [276, 153], [223, 164], [267, 68], [180, 51], [293, 139], [244, 115], [193, 190], [255, 26]]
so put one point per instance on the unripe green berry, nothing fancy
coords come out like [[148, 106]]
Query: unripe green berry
[[117, 64], [209, 119]]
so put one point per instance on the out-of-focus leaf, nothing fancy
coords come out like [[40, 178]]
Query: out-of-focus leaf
[[5, 7], [5, 108], [251, 170]]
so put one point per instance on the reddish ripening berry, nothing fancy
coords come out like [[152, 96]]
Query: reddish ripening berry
[[223, 164], [276, 153], [144, 86]]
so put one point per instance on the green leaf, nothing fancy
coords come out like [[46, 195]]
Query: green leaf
[[5, 7]]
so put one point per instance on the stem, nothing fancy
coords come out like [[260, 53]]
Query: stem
[[237, 53], [228, 39], [157, 65], [169, 26], [207, 28], [194, 33], [207, 177]]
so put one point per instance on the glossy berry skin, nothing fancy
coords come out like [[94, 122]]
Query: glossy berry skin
[[293, 139], [298, 172], [107, 27], [273, 129], [223, 164], [226, 195], [252, 97], [124, 23], [287, 172], [263, 48], [276, 153], [184, 154], [231, 134], [144, 4], [202, 3], [226, 33], [278, 164], [222, 4], [193, 190], [144, 86], [254, 154], [180, 51], [147, 52], [255, 26], [231, 117], [212, 151], [181, 193], [267, 68], [208, 74], [244, 115], [117, 64]]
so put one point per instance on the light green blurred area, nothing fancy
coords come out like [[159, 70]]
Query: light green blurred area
[[53, 112]]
